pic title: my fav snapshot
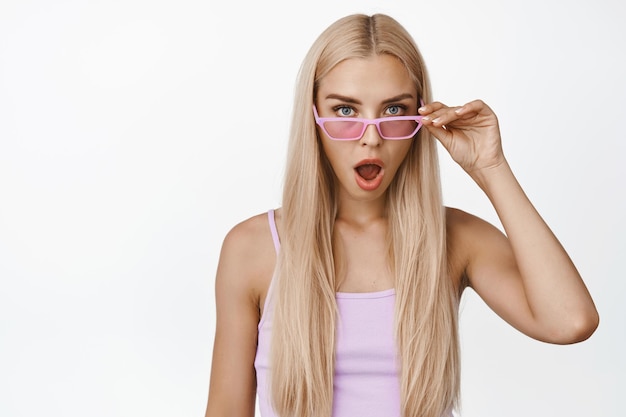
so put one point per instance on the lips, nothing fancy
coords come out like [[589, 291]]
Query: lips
[[369, 174]]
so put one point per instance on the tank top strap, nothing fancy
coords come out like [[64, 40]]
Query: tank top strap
[[267, 309], [275, 238]]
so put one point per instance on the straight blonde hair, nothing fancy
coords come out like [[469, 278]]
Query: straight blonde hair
[[303, 334]]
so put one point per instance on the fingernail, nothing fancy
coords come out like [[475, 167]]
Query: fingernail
[[437, 120], [421, 109], [457, 111], [425, 118]]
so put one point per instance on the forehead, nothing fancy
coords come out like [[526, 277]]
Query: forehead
[[367, 79]]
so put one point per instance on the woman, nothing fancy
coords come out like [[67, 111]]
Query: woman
[[344, 301]]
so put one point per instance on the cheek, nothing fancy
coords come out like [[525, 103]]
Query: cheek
[[396, 160], [332, 152], [401, 152]]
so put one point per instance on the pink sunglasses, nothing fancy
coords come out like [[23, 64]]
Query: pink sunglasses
[[353, 128]]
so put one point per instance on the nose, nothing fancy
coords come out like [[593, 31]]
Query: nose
[[371, 137]]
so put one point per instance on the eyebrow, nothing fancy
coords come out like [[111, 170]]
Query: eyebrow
[[355, 101]]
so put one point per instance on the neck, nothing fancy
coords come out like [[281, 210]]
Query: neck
[[360, 212]]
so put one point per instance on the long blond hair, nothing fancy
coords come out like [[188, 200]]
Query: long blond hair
[[303, 336]]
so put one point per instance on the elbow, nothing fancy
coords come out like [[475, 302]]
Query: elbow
[[578, 329], [588, 326]]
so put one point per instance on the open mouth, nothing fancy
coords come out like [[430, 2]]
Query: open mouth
[[369, 174]]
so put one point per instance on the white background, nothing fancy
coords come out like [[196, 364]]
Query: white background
[[134, 134]]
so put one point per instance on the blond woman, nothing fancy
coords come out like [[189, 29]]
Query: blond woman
[[343, 302]]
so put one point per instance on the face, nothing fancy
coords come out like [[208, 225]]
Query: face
[[374, 87]]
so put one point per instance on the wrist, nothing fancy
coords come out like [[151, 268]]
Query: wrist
[[489, 178]]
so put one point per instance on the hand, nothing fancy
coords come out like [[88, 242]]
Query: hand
[[470, 133]]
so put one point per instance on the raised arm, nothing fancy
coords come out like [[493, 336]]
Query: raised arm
[[245, 261], [526, 276]]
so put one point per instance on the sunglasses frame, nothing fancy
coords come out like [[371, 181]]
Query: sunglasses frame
[[366, 122]]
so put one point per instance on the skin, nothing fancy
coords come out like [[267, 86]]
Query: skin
[[525, 276]]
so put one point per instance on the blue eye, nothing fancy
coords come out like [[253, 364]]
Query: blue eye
[[394, 110], [345, 111]]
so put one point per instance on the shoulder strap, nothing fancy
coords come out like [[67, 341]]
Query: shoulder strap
[[275, 238]]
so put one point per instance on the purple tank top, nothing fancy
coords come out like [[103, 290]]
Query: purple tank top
[[366, 378]]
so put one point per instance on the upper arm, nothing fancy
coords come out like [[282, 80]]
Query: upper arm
[[237, 293], [488, 266]]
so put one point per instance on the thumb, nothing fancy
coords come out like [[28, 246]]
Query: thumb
[[441, 134]]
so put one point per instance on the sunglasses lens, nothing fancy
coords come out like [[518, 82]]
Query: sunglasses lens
[[344, 129], [352, 130], [398, 128]]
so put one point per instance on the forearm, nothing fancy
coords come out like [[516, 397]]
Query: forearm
[[557, 296]]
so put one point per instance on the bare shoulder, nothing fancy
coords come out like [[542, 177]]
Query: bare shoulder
[[249, 237], [461, 225], [467, 236], [243, 274], [247, 258], [459, 220]]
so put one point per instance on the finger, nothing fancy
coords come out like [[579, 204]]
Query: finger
[[431, 107], [441, 117], [475, 106], [441, 134]]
